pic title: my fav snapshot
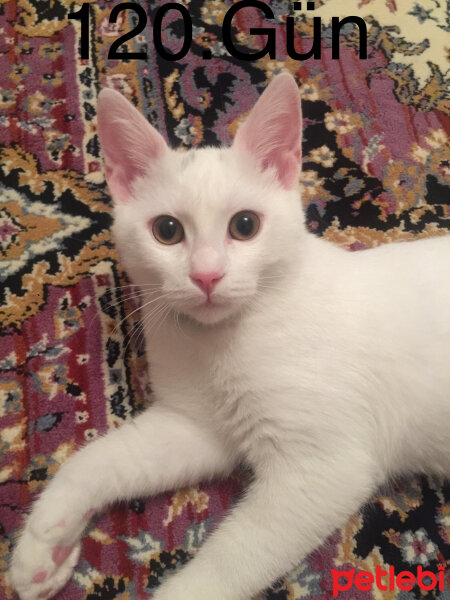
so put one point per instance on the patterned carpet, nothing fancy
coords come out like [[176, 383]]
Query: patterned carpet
[[72, 365]]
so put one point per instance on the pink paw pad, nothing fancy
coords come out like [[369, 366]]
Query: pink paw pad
[[60, 553], [40, 576]]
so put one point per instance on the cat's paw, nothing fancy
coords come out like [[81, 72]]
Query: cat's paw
[[46, 554], [40, 568]]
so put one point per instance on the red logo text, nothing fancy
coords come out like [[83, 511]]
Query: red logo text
[[387, 580]]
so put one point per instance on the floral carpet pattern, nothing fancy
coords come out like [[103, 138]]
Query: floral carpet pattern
[[376, 170]]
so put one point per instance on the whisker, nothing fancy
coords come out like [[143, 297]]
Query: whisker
[[107, 306], [137, 328], [163, 318], [140, 285], [140, 331], [127, 296], [271, 278], [180, 329], [164, 295], [152, 318], [133, 295], [270, 287]]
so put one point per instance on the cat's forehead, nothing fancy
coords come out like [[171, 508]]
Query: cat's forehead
[[205, 185], [209, 178], [205, 164], [198, 156]]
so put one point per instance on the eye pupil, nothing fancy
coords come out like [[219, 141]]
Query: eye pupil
[[167, 228], [245, 225]]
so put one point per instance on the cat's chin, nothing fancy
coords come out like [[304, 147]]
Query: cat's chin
[[211, 314]]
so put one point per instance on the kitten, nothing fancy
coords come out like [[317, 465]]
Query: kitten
[[325, 371]]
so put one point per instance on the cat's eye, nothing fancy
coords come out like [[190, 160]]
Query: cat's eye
[[167, 230], [244, 225]]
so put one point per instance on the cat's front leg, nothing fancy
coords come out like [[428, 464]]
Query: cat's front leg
[[291, 507], [158, 451]]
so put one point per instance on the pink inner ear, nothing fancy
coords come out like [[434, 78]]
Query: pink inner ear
[[131, 146], [272, 130]]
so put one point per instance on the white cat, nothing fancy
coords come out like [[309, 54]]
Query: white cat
[[325, 371]]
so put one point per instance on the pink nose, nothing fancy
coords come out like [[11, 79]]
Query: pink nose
[[207, 281]]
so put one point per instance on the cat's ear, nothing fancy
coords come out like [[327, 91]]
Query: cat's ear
[[131, 146], [272, 131]]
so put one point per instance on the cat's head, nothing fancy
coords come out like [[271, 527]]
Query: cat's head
[[207, 231]]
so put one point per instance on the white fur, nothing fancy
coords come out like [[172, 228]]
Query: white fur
[[326, 371]]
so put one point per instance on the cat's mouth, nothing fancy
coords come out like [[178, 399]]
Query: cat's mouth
[[209, 302], [209, 310]]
